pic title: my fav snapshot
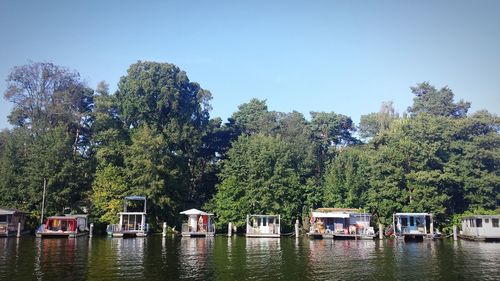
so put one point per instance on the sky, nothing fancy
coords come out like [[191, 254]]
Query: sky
[[342, 56]]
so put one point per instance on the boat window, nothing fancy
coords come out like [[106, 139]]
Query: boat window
[[479, 222], [264, 221], [3, 218], [258, 221], [494, 222], [412, 221], [270, 220], [404, 221]]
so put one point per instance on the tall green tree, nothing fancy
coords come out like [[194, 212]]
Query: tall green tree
[[436, 102], [51, 119], [259, 176]]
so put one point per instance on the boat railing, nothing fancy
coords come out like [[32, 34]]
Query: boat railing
[[7, 227], [270, 229], [204, 228], [129, 227], [4, 228]]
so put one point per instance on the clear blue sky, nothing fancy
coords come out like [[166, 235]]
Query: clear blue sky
[[341, 56]]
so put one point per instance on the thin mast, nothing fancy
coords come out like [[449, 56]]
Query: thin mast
[[43, 200]]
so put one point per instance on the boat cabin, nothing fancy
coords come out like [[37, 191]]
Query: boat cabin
[[11, 222], [481, 227], [132, 219], [263, 226], [413, 226], [199, 224], [69, 226], [340, 223]]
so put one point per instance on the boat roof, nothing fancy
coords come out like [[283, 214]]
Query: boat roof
[[132, 213], [195, 212], [67, 217], [330, 215], [133, 197], [264, 216], [335, 212], [10, 211], [482, 217], [329, 210], [412, 214]]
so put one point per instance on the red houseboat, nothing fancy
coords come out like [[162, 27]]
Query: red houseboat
[[70, 226]]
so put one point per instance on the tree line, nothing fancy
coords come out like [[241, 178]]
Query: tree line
[[154, 137]]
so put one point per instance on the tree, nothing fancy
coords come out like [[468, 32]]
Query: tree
[[347, 179], [372, 124], [254, 118], [436, 102], [51, 118], [330, 131], [259, 176]]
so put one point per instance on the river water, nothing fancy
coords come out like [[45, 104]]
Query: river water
[[238, 258]]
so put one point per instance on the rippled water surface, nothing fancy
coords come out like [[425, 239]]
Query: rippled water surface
[[238, 258]]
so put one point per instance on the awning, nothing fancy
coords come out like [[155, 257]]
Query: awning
[[195, 212]]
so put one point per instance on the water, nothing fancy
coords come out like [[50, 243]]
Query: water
[[238, 258]]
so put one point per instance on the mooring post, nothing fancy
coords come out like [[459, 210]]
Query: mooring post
[[380, 231], [18, 229], [164, 233], [230, 229], [432, 226], [91, 230], [455, 236], [297, 228]]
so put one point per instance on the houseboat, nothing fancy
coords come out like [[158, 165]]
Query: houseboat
[[11, 222], [263, 226], [481, 228], [340, 223], [413, 226], [199, 224], [70, 226], [132, 219]]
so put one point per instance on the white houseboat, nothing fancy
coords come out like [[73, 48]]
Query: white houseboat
[[199, 224], [340, 223], [11, 222], [481, 227], [263, 226], [413, 226], [67, 226], [132, 219]]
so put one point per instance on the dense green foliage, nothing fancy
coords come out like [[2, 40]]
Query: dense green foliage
[[154, 137]]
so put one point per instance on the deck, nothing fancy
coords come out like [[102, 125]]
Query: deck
[[55, 234], [198, 234], [341, 236], [263, 235]]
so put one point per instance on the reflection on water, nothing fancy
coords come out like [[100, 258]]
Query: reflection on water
[[194, 256], [238, 258]]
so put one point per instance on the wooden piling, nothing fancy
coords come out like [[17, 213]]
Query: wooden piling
[[432, 226], [455, 234], [297, 228], [91, 233], [380, 231], [18, 229], [164, 233], [230, 229]]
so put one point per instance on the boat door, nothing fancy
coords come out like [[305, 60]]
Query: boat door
[[264, 225]]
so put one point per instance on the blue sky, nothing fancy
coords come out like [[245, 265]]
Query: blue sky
[[341, 56]]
